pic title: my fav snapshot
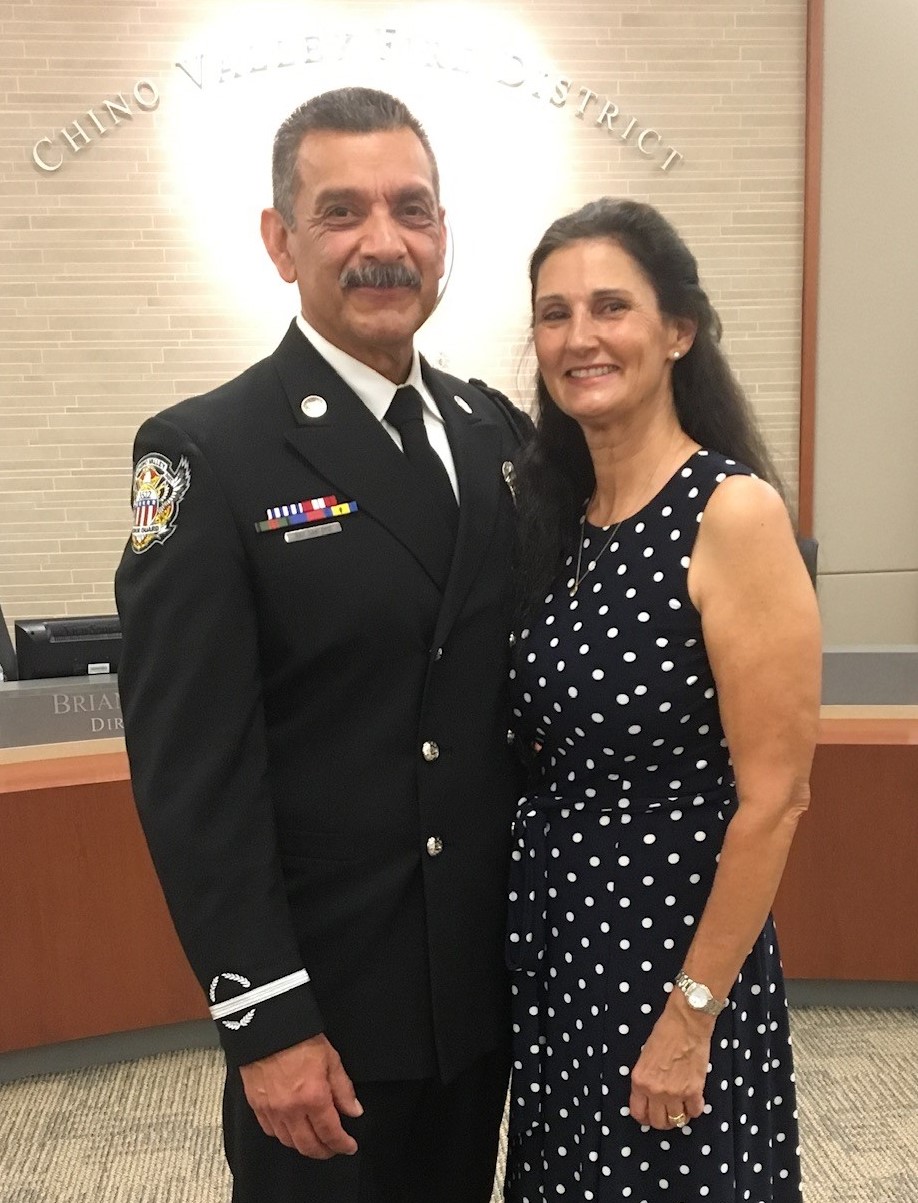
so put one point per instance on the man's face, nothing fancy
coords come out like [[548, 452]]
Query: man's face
[[368, 246]]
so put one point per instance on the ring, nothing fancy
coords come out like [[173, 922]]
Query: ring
[[677, 1120]]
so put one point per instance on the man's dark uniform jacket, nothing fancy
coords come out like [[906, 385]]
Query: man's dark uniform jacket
[[316, 725]]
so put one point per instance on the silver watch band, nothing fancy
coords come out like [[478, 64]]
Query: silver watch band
[[698, 996]]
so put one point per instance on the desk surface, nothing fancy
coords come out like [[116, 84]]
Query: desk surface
[[868, 725], [49, 766]]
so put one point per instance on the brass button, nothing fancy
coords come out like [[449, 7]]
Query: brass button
[[430, 751], [434, 846]]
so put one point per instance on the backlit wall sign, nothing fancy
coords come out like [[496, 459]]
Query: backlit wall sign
[[214, 69], [101, 118]]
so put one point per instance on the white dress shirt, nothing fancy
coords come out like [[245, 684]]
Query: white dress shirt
[[376, 392]]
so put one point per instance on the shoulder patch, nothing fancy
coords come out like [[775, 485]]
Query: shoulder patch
[[156, 494]]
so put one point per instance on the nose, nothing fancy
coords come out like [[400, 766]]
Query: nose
[[581, 330], [381, 236]]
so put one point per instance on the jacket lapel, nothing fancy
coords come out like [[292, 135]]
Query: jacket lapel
[[475, 443], [349, 448]]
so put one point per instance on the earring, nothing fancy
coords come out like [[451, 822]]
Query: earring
[[675, 354]]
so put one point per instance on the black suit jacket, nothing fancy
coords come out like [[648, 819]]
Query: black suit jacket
[[277, 697]]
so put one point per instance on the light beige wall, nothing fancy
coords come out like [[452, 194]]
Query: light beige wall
[[867, 398], [133, 275]]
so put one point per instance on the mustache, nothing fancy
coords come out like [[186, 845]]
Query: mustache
[[380, 275]]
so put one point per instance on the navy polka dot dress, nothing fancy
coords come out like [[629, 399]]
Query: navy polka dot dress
[[615, 851]]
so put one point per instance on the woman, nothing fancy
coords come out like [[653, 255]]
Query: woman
[[668, 672]]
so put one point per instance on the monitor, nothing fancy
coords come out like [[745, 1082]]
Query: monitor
[[68, 647]]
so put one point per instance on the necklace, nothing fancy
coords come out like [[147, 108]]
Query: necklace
[[578, 575]]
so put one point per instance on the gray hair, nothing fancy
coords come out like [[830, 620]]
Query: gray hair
[[343, 110]]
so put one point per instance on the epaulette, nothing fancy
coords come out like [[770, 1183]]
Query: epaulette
[[519, 422]]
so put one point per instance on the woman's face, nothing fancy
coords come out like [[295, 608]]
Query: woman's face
[[604, 349]]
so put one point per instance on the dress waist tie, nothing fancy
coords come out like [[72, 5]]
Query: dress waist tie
[[525, 945]]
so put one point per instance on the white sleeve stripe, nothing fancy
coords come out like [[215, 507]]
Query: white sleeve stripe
[[251, 998]]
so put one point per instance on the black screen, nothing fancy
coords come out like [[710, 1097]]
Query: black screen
[[68, 647]]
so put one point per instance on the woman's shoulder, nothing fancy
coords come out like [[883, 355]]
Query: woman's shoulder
[[707, 475], [739, 502], [718, 467]]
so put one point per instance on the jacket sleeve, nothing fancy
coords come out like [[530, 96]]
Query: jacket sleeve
[[195, 731]]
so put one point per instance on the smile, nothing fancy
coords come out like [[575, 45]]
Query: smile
[[589, 373]]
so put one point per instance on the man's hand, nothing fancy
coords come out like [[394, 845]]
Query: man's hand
[[297, 1095]]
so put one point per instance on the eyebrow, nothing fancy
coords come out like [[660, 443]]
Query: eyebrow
[[338, 195], [598, 294]]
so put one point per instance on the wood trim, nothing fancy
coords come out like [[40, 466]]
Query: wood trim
[[812, 191], [861, 711], [864, 732], [61, 772], [69, 748]]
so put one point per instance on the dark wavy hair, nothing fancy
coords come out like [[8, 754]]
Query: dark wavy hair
[[555, 474]]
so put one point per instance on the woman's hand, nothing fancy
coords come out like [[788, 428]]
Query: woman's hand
[[668, 1080]]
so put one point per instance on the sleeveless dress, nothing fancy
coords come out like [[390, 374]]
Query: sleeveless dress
[[615, 851]]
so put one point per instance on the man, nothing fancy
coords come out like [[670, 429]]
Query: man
[[315, 651]]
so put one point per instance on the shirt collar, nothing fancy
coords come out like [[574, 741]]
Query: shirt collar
[[373, 389]]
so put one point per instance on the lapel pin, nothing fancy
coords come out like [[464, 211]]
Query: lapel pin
[[509, 475], [314, 407], [462, 403]]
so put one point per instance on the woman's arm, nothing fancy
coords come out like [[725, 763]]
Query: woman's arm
[[761, 630]]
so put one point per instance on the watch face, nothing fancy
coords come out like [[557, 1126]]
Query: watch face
[[698, 998]]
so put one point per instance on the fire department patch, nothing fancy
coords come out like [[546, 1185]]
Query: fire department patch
[[156, 494]]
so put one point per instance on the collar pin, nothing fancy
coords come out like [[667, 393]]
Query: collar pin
[[314, 407]]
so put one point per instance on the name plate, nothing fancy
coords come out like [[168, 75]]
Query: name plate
[[59, 710]]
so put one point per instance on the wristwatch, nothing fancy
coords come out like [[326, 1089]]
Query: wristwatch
[[698, 996]]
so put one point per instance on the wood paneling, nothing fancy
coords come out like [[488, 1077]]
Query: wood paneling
[[86, 943], [812, 193], [847, 909]]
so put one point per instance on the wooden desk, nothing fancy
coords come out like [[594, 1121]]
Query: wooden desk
[[86, 943], [87, 946], [847, 909]]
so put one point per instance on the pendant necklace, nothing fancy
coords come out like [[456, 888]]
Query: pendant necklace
[[592, 564], [578, 576]]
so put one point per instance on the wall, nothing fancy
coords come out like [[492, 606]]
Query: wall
[[866, 497], [133, 274]]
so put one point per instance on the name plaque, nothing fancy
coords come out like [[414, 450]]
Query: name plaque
[[58, 710]]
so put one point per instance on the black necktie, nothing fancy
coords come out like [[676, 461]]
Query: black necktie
[[405, 414]]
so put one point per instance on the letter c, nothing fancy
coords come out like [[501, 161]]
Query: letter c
[[40, 162]]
